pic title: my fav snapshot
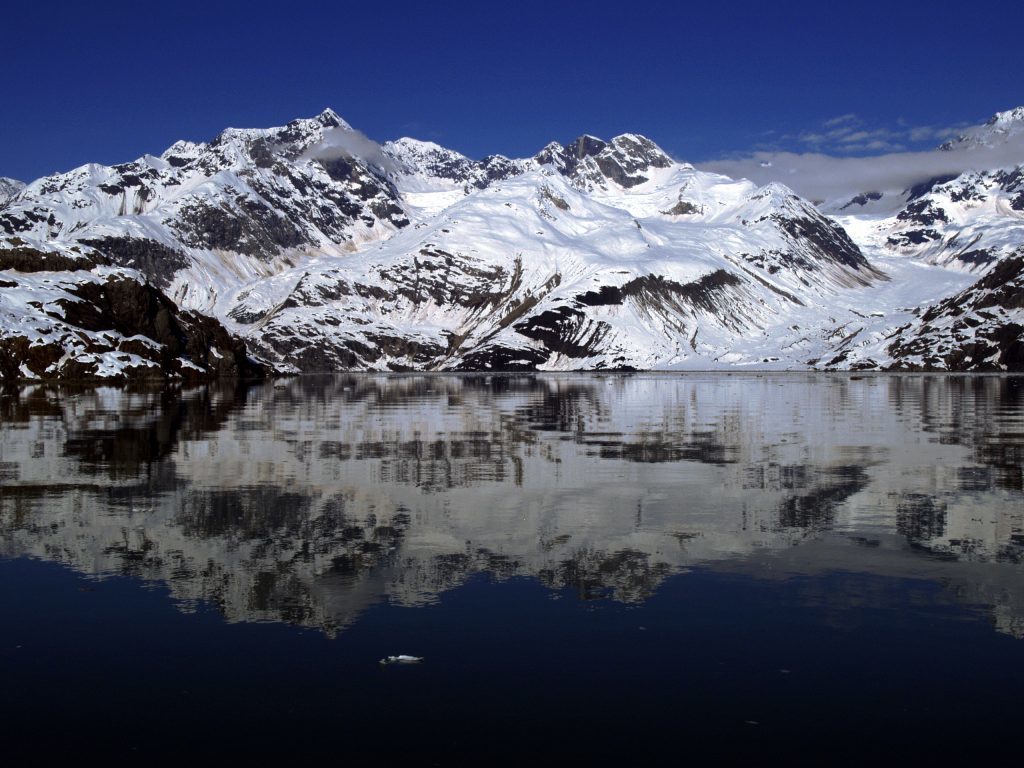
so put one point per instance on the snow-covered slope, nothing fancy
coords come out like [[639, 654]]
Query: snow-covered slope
[[430, 167], [684, 269], [204, 216], [66, 313], [969, 222], [9, 188], [327, 251], [1000, 128], [980, 328]]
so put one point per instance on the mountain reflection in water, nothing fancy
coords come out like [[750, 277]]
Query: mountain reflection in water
[[309, 502]]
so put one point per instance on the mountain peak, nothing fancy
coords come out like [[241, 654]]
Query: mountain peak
[[331, 119], [589, 160], [328, 251], [1008, 117], [409, 144], [586, 146], [641, 146], [429, 160], [996, 130]]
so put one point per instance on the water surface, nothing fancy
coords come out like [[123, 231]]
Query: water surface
[[727, 566]]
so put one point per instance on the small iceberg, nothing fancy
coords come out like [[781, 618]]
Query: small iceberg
[[401, 659]]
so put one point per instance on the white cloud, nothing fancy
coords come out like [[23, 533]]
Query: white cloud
[[820, 176], [849, 117], [850, 133], [347, 143]]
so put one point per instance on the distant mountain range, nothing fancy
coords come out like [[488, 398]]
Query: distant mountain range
[[310, 247]]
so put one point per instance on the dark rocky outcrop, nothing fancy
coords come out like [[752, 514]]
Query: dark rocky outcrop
[[913, 237], [971, 331], [700, 294], [830, 240], [499, 358], [861, 200], [923, 212], [15, 255], [563, 330], [588, 159], [682, 208], [923, 188], [155, 260], [119, 328], [249, 227]]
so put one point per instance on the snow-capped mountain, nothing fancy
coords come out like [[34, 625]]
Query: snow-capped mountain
[[203, 215], [426, 164], [968, 222], [900, 179], [66, 313], [1000, 128], [627, 160], [326, 251], [965, 220], [534, 272]]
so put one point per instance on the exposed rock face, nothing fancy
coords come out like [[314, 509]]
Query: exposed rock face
[[237, 204], [327, 252], [979, 329], [64, 315], [589, 161], [153, 259], [966, 222], [18, 255]]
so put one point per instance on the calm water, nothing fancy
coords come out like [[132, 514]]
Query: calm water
[[609, 568]]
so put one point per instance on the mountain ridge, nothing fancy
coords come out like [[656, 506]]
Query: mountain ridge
[[324, 250]]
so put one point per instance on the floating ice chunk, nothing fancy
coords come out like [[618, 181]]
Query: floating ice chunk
[[401, 659]]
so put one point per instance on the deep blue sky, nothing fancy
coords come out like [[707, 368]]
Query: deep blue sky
[[108, 81]]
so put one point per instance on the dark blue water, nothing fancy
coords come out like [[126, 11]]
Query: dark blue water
[[601, 569]]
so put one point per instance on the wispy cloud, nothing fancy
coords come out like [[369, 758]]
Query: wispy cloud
[[834, 177], [851, 134], [348, 143], [849, 117]]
